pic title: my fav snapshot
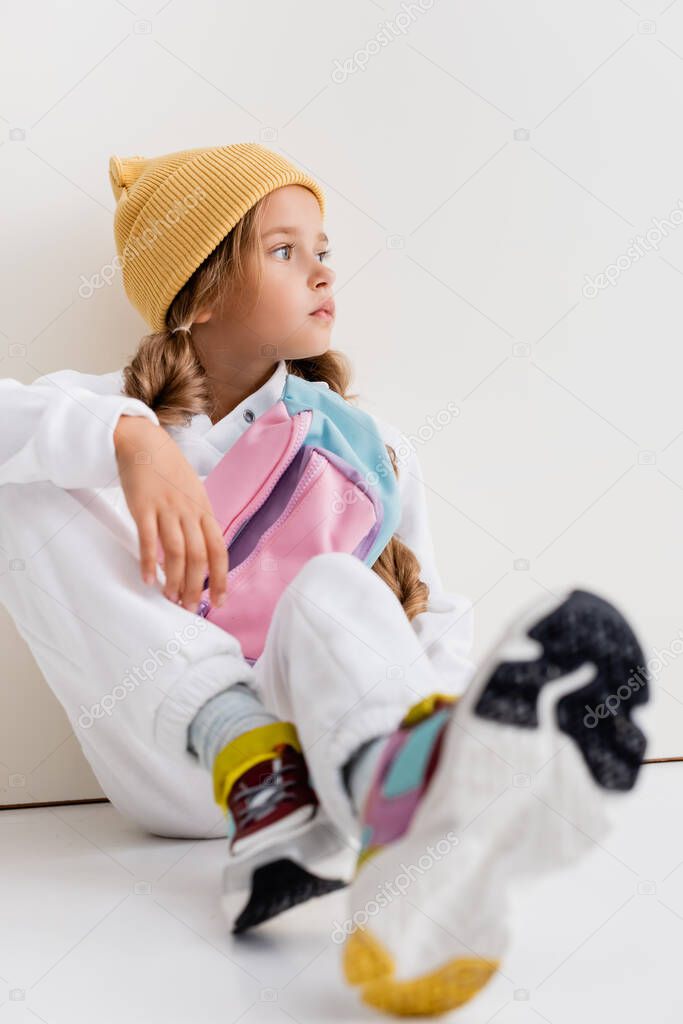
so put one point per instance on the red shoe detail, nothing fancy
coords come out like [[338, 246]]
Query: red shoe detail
[[269, 792]]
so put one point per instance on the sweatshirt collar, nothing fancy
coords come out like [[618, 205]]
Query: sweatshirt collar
[[228, 429]]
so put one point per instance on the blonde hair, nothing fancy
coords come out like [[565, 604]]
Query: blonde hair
[[167, 375]]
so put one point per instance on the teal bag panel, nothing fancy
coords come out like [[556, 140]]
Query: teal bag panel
[[352, 434]]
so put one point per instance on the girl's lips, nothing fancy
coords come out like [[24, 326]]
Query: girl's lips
[[323, 314]]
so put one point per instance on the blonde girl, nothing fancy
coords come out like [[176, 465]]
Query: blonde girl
[[365, 711]]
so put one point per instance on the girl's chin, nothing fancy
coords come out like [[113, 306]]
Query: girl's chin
[[314, 348]]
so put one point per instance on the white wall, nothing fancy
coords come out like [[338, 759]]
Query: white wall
[[478, 167]]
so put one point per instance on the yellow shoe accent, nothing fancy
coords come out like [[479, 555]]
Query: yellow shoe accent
[[367, 963], [365, 959], [366, 854], [250, 748], [425, 707]]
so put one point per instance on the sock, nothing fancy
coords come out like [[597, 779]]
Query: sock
[[223, 719], [359, 770]]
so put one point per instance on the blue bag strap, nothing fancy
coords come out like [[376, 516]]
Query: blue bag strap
[[352, 434]]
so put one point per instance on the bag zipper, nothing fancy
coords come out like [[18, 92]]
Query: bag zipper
[[313, 470], [300, 431], [302, 421]]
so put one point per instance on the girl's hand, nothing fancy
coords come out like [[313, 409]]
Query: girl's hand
[[170, 506]]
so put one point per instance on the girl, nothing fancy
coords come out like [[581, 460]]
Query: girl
[[442, 775]]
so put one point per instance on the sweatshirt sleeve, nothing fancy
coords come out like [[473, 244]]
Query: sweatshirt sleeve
[[61, 429], [446, 628]]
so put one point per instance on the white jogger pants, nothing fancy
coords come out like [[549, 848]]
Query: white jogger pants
[[131, 669]]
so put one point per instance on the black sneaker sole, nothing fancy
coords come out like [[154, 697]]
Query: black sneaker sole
[[583, 628], [279, 886]]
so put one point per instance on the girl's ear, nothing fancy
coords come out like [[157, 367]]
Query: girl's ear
[[203, 316]]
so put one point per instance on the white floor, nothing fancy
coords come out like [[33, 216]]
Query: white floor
[[99, 922]]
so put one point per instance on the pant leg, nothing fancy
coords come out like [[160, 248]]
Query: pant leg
[[129, 668], [342, 662]]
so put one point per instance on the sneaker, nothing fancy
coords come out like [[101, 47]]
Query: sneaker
[[520, 775], [280, 837]]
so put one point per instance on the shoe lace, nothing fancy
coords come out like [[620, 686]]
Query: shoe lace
[[255, 802]]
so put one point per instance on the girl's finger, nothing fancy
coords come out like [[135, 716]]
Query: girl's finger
[[218, 558], [147, 532], [195, 564], [173, 543]]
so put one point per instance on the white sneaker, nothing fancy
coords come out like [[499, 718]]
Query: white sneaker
[[517, 776]]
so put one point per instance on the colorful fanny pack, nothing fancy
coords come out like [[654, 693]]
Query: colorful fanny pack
[[310, 475]]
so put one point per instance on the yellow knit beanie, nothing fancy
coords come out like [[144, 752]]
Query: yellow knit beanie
[[173, 210]]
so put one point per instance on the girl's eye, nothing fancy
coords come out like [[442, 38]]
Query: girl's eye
[[286, 245], [290, 245]]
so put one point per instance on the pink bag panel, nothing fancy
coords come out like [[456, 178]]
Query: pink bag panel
[[279, 503], [249, 470], [313, 521]]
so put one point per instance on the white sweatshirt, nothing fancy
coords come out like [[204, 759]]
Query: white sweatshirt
[[60, 429]]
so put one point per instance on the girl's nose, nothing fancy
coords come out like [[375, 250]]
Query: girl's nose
[[326, 273]]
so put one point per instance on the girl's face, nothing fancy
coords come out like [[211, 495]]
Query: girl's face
[[281, 322]]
